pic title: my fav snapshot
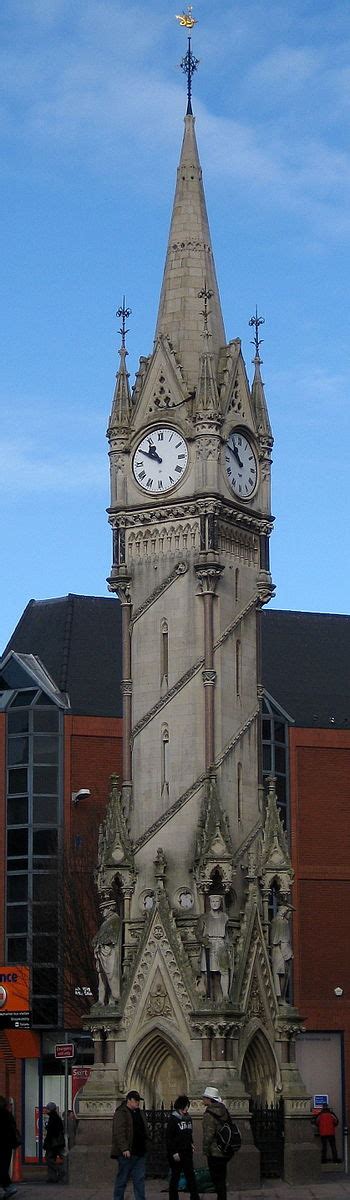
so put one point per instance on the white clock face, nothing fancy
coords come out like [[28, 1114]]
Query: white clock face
[[241, 465], [160, 460]]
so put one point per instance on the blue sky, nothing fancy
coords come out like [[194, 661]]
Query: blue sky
[[91, 108]]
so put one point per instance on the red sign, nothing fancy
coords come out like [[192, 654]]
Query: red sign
[[14, 996], [65, 1050]]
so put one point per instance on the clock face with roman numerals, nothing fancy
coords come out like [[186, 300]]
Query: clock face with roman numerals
[[160, 460], [241, 465]]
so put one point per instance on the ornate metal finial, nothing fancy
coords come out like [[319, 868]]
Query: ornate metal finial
[[206, 295], [256, 341], [189, 63], [124, 313]]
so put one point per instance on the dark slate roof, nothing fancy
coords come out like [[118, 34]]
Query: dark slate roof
[[78, 639], [306, 666]]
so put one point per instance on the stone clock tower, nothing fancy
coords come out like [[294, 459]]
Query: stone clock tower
[[193, 859]]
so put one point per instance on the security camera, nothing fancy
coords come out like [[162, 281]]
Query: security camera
[[80, 795]]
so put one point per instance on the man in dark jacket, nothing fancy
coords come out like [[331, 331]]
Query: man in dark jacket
[[8, 1143], [129, 1145], [179, 1145], [215, 1114], [54, 1144]]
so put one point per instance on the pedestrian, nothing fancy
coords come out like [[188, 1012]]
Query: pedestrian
[[215, 1113], [179, 1143], [326, 1123], [129, 1145], [54, 1144], [9, 1139]]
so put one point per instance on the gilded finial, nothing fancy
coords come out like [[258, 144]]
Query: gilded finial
[[189, 63], [186, 18], [256, 341]]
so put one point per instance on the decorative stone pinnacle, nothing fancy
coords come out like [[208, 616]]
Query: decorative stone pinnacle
[[205, 295], [255, 322]]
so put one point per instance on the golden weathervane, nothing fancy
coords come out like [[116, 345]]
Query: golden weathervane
[[186, 18]]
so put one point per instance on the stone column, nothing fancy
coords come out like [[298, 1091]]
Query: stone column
[[208, 575]]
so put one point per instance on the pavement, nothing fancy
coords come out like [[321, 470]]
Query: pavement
[[329, 1187]]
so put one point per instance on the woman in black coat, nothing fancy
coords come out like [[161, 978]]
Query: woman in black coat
[[54, 1143]]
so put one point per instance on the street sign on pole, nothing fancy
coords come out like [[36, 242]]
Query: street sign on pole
[[65, 1050]]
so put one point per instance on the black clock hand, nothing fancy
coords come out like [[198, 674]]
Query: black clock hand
[[151, 453], [235, 453]]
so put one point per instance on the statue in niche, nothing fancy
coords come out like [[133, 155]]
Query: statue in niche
[[217, 951], [281, 950], [107, 950]]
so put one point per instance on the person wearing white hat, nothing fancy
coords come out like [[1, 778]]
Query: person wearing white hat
[[215, 1111]]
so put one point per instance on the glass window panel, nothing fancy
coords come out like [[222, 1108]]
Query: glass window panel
[[280, 731], [17, 918], [17, 842], [17, 950], [45, 748], [23, 698], [280, 759], [17, 722], [17, 887], [44, 780], [45, 1012], [45, 886], [45, 949], [42, 698], [266, 758], [46, 720], [266, 730], [17, 750], [44, 810], [45, 979], [17, 780], [46, 863], [18, 864], [45, 918], [17, 810], [45, 841], [281, 790]]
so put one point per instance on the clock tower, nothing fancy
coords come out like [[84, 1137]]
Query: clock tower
[[193, 858]]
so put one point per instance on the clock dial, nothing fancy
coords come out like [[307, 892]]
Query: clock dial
[[160, 460], [241, 465]]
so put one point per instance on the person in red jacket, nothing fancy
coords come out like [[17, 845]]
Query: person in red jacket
[[326, 1124]]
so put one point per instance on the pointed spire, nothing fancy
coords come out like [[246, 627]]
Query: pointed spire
[[121, 405], [258, 394], [189, 267]]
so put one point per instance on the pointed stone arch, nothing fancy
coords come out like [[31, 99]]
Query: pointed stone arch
[[258, 1065], [158, 1067]]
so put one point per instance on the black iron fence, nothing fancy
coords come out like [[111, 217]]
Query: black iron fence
[[268, 1134], [157, 1166]]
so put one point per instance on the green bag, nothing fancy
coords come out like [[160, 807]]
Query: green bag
[[203, 1179]]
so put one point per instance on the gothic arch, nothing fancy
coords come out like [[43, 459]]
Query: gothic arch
[[158, 1067], [258, 1065]]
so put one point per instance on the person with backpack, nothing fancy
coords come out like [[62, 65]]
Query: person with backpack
[[221, 1138], [326, 1122], [179, 1143]]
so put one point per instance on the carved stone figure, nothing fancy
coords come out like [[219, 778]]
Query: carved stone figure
[[107, 951], [281, 950], [217, 950]]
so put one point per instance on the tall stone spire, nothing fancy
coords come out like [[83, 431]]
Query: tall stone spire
[[258, 394], [189, 267]]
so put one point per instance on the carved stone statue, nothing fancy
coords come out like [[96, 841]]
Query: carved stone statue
[[107, 951], [281, 950], [217, 950]]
